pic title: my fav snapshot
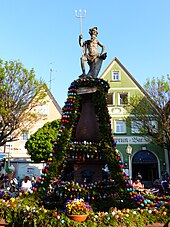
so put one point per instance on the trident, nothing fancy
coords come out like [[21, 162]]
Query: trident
[[80, 16]]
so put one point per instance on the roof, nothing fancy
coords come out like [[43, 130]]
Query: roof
[[2, 156], [44, 86]]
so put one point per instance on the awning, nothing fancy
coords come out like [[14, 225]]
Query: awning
[[2, 156]]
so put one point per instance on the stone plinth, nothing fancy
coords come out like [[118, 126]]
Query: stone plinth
[[88, 127]]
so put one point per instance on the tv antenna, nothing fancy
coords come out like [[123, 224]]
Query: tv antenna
[[51, 71]]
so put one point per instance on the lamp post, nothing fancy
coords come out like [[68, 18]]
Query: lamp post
[[129, 152]]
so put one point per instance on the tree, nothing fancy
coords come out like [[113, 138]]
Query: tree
[[151, 113], [40, 144], [20, 93]]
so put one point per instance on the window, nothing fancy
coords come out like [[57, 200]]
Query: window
[[136, 126], [42, 110], [120, 127], [110, 98], [139, 127], [115, 75], [25, 135], [153, 126], [123, 99]]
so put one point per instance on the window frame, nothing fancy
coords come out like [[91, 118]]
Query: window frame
[[150, 123], [135, 129], [25, 135], [155, 124], [112, 97], [114, 77], [116, 125], [119, 98], [43, 110]]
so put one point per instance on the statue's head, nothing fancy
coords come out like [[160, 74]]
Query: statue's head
[[93, 31]]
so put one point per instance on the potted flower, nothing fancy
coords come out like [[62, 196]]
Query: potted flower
[[78, 209]]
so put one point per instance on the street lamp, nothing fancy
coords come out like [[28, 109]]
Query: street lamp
[[129, 152]]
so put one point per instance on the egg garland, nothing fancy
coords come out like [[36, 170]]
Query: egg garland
[[75, 150], [67, 118]]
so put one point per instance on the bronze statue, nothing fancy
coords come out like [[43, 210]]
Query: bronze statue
[[91, 54]]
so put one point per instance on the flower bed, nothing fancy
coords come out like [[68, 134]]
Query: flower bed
[[27, 211]]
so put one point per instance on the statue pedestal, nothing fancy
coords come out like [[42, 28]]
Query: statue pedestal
[[88, 126], [87, 129]]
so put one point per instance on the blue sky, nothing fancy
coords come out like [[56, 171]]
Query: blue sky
[[43, 34]]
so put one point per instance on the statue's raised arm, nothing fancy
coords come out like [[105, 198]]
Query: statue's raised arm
[[80, 40], [91, 54]]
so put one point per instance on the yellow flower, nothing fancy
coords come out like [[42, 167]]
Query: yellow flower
[[45, 211], [12, 200], [14, 205]]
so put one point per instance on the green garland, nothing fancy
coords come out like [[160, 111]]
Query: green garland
[[66, 144], [67, 149]]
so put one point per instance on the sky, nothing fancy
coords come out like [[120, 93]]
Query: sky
[[43, 34]]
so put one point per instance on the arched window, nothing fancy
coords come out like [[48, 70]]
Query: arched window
[[144, 157]]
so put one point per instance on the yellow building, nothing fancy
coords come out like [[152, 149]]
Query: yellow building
[[15, 151]]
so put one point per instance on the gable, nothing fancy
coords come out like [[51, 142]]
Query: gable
[[124, 86], [126, 81]]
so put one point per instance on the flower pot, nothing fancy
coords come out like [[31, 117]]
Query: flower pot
[[3, 223], [79, 218]]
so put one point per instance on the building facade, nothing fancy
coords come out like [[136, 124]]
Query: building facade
[[144, 157], [15, 152]]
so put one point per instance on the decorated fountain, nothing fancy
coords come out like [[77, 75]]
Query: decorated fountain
[[84, 174]]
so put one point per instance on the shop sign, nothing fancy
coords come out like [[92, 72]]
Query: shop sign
[[131, 140]]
